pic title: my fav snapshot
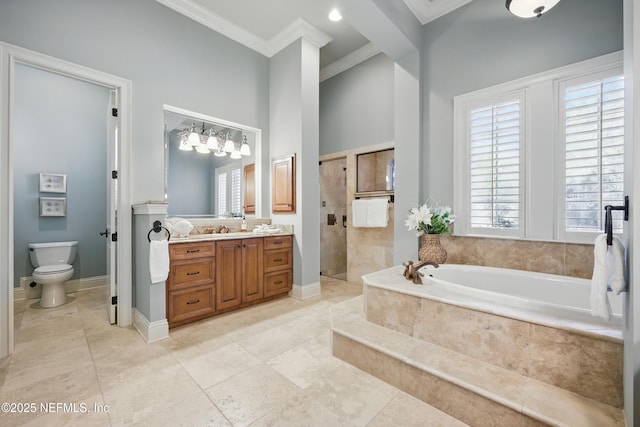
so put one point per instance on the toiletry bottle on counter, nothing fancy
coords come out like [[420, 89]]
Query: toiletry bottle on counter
[[243, 226]]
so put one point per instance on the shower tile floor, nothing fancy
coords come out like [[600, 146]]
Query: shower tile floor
[[268, 365]]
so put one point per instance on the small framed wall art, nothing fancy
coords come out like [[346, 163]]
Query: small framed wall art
[[53, 183], [53, 206]]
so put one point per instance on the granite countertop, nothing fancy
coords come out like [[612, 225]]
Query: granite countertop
[[224, 236]]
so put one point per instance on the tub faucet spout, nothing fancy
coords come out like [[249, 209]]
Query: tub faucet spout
[[411, 271]]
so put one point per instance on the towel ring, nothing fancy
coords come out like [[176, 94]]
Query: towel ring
[[157, 227]]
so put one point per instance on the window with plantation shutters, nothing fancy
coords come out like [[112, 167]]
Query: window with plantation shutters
[[539, 157], [222, 194], [229, 194], [494, 147], [593, 129], [236, 193]]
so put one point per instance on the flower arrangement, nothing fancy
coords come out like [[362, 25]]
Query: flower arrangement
[[430, 218]]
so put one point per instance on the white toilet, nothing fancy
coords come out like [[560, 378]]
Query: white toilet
[[53, 268]]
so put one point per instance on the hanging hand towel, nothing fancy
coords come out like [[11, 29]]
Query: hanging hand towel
[[600, 306], [378, 213], [159, 260], [370, 212], [359, 213], [615, 266]]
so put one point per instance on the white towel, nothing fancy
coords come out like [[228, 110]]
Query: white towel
[[608, 274], [359, 213], [159, 260], [378, 212], [615, 266], [370, 212]]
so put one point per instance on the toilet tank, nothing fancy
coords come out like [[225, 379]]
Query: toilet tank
[[52, 253]]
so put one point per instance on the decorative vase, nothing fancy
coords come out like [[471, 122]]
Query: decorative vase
[[431, 249]]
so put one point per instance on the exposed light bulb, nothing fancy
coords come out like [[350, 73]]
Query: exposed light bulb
[[335, 15]]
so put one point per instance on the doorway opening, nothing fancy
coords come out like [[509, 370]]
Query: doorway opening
[[14, 60], [333, 218]]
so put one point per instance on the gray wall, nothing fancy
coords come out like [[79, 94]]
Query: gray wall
[[356, 107], [481, 44], [189, 180], [169, 58], [60, 126]]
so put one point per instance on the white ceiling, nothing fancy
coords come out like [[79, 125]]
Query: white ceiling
[[268, 26]]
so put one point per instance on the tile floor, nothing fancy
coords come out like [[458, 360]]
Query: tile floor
[[268, 365]]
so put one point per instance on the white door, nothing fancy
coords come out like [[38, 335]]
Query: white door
[[112, 212]]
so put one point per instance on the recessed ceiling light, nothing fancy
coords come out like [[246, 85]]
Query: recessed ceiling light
[[334, 15]]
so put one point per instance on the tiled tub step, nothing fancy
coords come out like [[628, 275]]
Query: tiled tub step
[[471, 390]]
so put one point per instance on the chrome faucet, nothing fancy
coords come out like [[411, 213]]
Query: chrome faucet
[[411, 270]]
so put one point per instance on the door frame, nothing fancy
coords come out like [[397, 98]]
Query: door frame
[[9, 56]]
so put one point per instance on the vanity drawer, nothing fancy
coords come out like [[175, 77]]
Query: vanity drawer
[[278, 242], [277, 260], [191, 250], [191, 303], [189, 273], [277, 283]]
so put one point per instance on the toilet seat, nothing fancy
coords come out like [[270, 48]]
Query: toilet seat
[[52, 269]]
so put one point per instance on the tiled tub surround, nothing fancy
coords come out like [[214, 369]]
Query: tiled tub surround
[[580, 356], [567, 259]]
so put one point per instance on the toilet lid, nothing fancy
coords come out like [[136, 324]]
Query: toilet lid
[[51, 269]]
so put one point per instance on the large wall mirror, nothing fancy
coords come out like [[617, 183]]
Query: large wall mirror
[[212, 166]]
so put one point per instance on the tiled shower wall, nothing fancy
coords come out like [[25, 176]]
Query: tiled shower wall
[[333, 200], [567, 259]]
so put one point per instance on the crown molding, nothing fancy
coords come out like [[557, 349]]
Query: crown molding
[[354, 58], [295, 30], [217, 23], [427, 11]]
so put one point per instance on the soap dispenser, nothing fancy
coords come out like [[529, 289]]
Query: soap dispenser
[[243, 226]]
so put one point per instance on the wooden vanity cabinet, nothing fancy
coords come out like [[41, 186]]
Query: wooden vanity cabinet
[[211, 277], [191, 282], [278, 265], [239, 272]]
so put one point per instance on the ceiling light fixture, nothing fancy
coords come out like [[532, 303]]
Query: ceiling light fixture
[[335, 15], [530, 8]]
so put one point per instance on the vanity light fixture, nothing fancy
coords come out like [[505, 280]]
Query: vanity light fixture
[[235, 154], [209, 141], [245, 150], [194, 139], [184, 144], [530, 8], [212, 141], [229, 145]]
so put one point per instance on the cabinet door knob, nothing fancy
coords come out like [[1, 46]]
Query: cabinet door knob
[[193, 302], [193, 274], [277, 260], [278, 282]]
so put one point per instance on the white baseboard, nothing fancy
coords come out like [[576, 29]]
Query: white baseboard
[[304, 292], [25, 291], [150, 331]]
